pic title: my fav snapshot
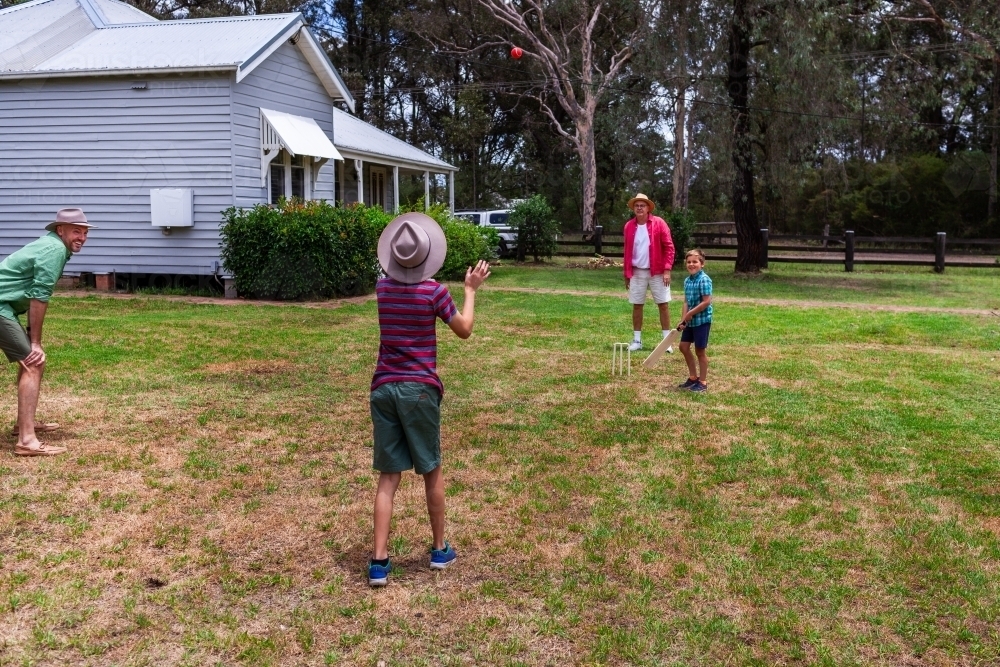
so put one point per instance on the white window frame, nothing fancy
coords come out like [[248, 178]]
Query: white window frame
[[303, 162]]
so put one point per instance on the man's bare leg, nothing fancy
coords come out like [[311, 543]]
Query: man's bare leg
[[636, 317], [388, 482], [434, 489], [664, 315], [29, 386]]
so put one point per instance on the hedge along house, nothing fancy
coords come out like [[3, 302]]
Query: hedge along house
[[155, 127]]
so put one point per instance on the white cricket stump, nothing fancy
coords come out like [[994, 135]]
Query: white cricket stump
[[621, 359]]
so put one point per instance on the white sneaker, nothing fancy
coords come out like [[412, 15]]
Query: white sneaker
[[635, 346]]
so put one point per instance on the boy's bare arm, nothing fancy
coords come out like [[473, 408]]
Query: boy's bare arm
[[461, 323], [686, 315]]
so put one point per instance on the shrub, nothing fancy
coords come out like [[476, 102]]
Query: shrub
[[536, 228], [681, 222], [300, 250], [467, 243]]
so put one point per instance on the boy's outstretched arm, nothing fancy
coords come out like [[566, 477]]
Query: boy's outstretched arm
[[461, 323]]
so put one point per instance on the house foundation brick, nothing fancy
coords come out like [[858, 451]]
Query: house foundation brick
[[104, 282]]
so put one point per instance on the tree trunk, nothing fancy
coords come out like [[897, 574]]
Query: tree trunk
[[585, 148], [744, 208], [992, 206], [680, 175], [680, 162], [689, 140]]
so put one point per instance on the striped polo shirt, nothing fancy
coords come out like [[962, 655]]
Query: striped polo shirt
[[408, 339]]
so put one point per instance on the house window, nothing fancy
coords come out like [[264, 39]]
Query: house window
[[298, 180], [277, 182], [288, 177]]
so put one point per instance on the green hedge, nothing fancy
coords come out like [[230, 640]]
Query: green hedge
[[302, 250], [536, 228], [467, 243], [298, 250]]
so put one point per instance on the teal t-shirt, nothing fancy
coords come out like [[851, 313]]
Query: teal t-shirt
[[31, 273]]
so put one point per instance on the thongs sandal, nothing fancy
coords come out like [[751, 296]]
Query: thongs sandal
[[39, 428], [41, 450]]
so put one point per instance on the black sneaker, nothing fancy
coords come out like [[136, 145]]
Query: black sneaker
[[687, 384], [699, 387]]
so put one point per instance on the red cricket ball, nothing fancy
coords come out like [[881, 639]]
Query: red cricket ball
[[516, 53]]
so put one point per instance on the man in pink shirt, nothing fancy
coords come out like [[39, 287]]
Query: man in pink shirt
[[649, 255]]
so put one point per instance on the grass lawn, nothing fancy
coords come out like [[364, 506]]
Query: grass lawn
[[833, 500]]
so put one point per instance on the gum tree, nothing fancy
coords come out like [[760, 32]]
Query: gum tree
[[581, 50]]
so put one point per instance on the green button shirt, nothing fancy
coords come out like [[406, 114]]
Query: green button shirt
[[31, 273]]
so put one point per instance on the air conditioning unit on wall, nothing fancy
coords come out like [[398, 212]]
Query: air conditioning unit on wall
[[172, 207]]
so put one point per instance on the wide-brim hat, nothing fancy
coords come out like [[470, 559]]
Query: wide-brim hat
[[69, 216], [641, 197], [412, 248]]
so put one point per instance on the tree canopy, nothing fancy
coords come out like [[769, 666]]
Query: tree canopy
[[881, 116]]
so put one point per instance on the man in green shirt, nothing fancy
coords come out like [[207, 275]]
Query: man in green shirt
[[27, 278]]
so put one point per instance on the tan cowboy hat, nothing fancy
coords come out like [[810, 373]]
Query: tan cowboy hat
[[69, 216], [412, 248], [641, 197]]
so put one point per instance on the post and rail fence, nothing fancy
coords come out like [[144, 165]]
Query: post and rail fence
[[885, 250]]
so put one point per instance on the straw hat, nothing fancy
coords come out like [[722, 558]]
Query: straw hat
[[641, 197], [412, 248], [69, 216]]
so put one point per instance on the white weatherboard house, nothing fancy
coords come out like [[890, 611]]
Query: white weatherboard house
[[155, 127]]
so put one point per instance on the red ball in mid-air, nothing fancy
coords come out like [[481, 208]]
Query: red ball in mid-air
[[516, 53]]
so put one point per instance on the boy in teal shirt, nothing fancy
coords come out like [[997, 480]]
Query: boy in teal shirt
[[696, 320]]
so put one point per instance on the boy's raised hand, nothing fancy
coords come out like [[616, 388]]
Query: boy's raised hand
[[474, 277]]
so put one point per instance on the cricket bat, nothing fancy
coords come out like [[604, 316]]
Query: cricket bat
[[654, 356]]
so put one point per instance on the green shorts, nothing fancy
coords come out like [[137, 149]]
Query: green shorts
[[14, 340], [406, 417]]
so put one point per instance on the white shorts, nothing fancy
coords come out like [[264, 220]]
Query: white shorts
[[641, 281]]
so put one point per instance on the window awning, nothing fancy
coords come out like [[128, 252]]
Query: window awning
[[296, 134]]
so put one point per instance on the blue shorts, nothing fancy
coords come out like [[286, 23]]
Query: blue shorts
[[697, 335]]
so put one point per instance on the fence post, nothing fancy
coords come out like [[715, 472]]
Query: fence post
[[939, 242], [598, 241], [849, 251], [763, 248]]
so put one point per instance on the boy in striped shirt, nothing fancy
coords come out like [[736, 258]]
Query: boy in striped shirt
[[406, 390]]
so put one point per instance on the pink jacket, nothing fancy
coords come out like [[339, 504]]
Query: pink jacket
[[661, 246]]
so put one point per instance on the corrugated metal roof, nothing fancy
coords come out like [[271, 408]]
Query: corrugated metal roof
[[22, 22], [353, 134], [170, 44], [83, 37], [57, 37]]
